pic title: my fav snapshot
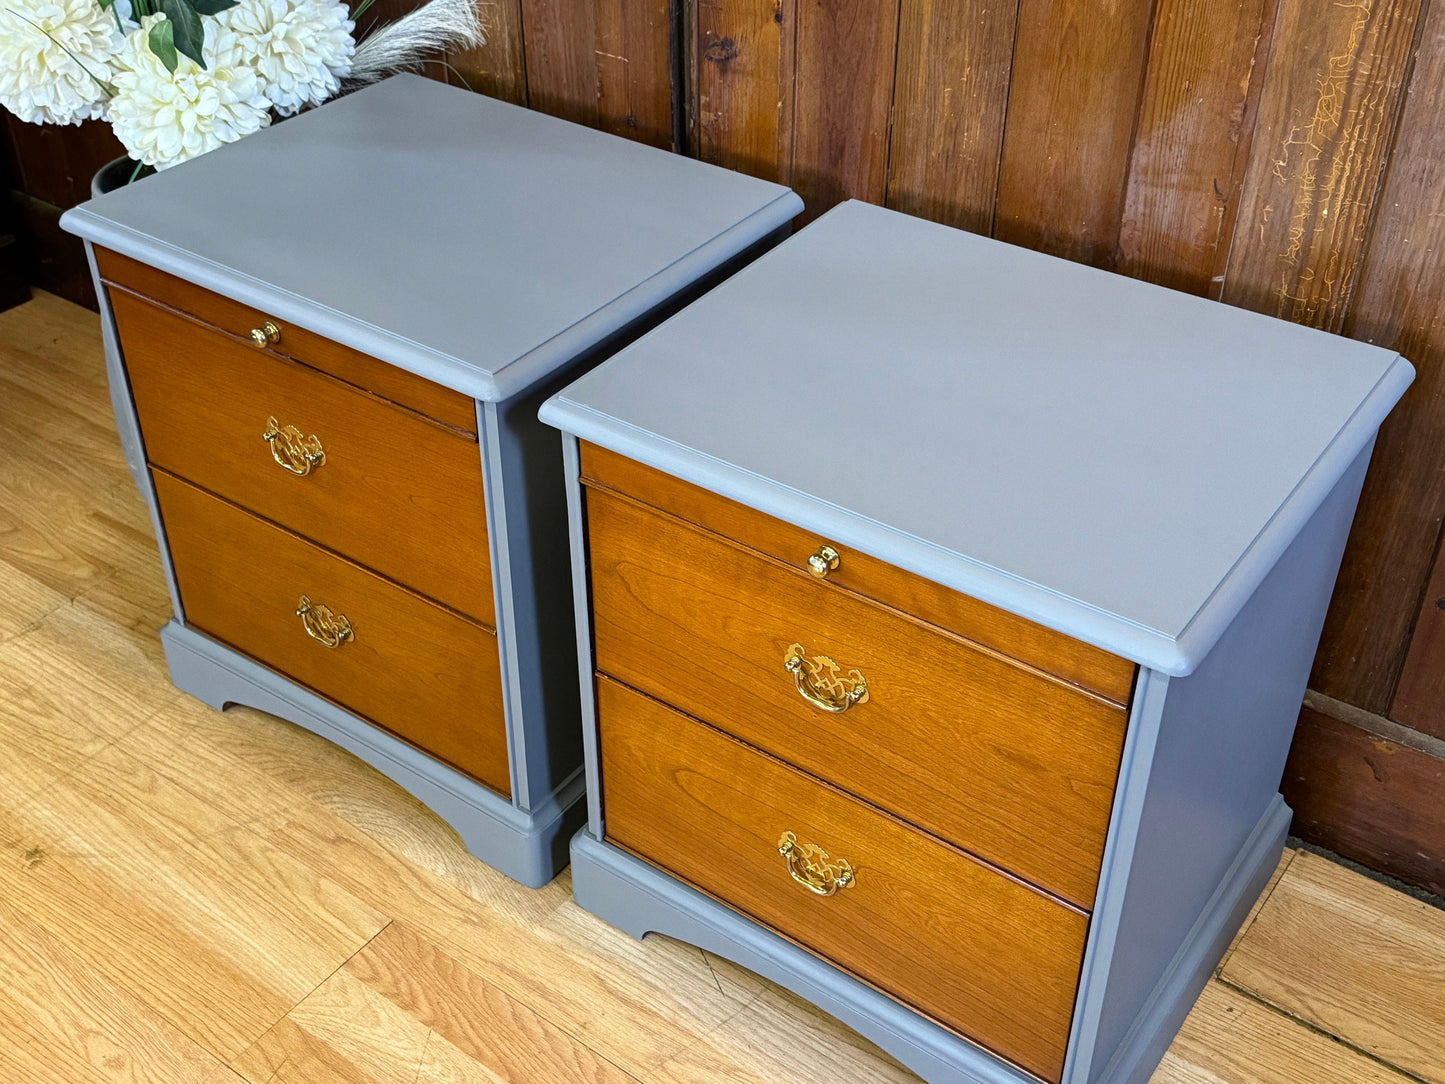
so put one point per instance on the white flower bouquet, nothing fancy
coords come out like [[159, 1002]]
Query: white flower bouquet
[[176, 78]]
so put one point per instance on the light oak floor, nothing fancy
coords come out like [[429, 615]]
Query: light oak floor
[[187, 895]]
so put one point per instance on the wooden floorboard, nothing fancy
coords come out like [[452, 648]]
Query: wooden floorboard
[[188, 895]]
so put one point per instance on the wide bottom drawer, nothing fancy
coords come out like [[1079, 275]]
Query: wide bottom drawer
[[979, 952], [413, 668]]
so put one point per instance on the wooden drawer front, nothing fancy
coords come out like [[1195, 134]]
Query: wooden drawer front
[[395, 493], [412, 667], [1012, 766], [980, 953], [1053, 652], [451, 408]]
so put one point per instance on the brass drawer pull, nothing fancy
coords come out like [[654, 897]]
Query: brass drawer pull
[[296, 453], [820, 684], [811, 867], [268, 334], [823, 561], [322, 625]]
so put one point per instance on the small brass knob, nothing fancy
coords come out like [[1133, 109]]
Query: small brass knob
[[823, 562], [268, 334]]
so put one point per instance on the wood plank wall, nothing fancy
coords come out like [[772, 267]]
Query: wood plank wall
[[1282, 155]]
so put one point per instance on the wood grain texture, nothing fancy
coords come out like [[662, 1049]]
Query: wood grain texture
[[740, 56], [1398, 305], [843, 61], [236, 320], [496, 68], [1329, 105], [63, 1023], [176, 904], [1384, 948], [452, 1026], [1077, 72], [660, 1010], [950, 97], [1368, 798], [411, 667], [1420, 698], [1009, 765], [560, 46], [1191, 141], [634, 69], [1231, 1038], [395, 493], [922, 922], [1064, 657]]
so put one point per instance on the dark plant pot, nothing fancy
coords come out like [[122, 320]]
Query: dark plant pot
[[112, 175]]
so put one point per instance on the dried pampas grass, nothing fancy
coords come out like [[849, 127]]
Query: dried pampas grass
[[415, 39]]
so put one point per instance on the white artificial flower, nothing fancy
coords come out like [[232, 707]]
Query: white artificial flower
[[49, 52], [165, 117], [300, 48]]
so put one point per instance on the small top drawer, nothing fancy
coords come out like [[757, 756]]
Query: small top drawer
[[449, 407], [380, 485], [1081, 664]]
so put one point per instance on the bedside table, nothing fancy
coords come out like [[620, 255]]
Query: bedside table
[[944, 613], [326, 345]]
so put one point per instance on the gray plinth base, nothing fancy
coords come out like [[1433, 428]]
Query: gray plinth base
[[638, 899], [528, 846]]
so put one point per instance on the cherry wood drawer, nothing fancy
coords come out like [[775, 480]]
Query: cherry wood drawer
[[980, 953], [450, 408], [1053, 652], [411, 667], [395, 493], [1013, 766]]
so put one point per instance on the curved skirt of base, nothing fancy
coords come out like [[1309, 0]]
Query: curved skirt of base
[[528, 846]]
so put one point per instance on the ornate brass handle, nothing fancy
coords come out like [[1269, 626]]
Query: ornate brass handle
[[294, 452], [820, 684], [823, 561], [811, 867], [323, 625], [268, 334]]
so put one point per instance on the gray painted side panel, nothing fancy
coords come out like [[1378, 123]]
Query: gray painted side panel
[[1222, 739], [127, 427], [1179, 986], [470, 241], [528, 847], [945, 402], [582, 601]]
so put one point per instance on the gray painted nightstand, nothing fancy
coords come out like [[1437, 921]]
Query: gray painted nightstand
[[945, 610], [326, 345]]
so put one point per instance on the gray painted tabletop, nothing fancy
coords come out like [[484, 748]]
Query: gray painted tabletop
[[1115, 460], [461, 237]]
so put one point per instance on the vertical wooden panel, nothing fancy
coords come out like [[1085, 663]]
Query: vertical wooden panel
[[843, 87], [634, 69], [560, 39], [1331, 97], [740, 66], [1368, 798], [1191, 141], [1420, 699], [1400, 303], [496, 68], [949, 100], [1077, 70]]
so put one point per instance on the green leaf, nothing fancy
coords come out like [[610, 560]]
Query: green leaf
[[162, 41], [213, 7], [188, 32], [105, 5]]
